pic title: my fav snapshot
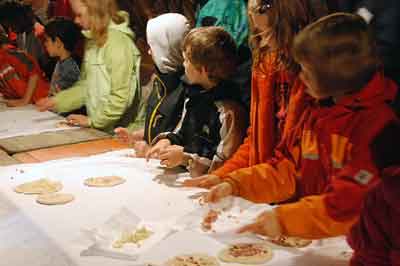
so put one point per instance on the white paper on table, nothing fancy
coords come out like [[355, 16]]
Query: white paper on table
[[102, 238], [27, 120], [234, 213]]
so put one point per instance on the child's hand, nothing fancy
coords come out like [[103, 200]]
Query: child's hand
[[266, 224], [141, 147], [218, 192], [45, 104], [16, 103], [126, 137], [171, 156], [204, 181], [78, 120], [157, 148]]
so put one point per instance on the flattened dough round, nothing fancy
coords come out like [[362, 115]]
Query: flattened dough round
[[104, 181], [55, 198], [246, 253], [294, 242], [41, 186], [193, 260]]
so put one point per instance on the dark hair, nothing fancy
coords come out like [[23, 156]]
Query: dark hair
[[339, 50], [386, 145], [64, 29], [17, 16], [214, 49]]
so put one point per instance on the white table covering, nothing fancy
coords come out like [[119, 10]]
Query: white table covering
[[27, 120], [34, 234]]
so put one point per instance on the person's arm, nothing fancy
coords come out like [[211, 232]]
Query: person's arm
[[120, 59], [30, 90]]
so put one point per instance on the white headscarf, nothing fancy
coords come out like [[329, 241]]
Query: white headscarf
[[165, 35]]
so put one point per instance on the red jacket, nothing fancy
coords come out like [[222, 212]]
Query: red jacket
[[276, 103], [16, 68], [376, 237], [324, 166]]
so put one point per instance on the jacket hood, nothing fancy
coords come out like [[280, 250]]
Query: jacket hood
[[165, 35], [122, 27], [378, 90]]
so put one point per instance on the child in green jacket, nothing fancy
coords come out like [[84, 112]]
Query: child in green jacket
[[109, 84]]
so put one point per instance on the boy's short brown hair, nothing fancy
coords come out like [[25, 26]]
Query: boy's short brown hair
[[339, 50], [212, 48]]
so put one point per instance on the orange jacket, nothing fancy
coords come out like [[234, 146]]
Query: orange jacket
[[324, 166], [272, 92]]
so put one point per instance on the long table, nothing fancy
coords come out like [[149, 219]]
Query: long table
[[34, 234]]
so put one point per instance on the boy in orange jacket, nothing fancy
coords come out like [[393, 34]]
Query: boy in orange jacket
[[323, 169]]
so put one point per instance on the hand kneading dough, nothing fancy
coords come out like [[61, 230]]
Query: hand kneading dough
[[193, 260], [40, 186], [55, 199], [105, 181], [246, 253]]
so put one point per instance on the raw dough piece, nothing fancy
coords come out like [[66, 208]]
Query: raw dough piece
[[105, 181], [294, 242], [193, 260], [55, 198], [135, 237], [40, 186], [246, 253]]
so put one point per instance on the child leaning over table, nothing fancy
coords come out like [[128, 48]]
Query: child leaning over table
[[61, 37], [21, 79], [323, 169], [165, 35], [212, 121]]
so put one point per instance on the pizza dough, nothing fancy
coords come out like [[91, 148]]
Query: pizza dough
[[105, 181], [294, 242], [63, 124], [246, 253], [41, 186], [193, 260], [55, 198]]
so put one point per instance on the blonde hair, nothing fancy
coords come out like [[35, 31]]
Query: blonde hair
[[340, 50], [101, 13]]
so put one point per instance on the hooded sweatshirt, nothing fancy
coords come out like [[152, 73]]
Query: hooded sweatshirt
[[109, 84], [324, 166], [165, 35]]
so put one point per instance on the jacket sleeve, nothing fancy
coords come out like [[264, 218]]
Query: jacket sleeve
[[74, 97], [333, 212], [231, 117], [265, 183], [240, 158], [120, 60]]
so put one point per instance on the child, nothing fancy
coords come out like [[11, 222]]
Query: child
[[61, 36], [165, 34], [109, 84], [276, 90], [21, 79], [211, 124], [29, 31], [375, 238], [323, 169]]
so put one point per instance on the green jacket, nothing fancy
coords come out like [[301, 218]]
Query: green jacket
[[109, 85]]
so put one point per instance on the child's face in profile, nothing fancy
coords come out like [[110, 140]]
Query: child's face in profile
[[81, 14], [51, 46], [193, 75]]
